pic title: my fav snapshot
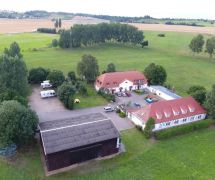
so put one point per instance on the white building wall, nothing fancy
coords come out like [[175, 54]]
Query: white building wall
[[136, 120], [180, 122]]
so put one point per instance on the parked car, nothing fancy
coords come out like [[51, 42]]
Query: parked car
[[137, 105], [108, 109], [128, 94], [124, 94], [47, 94], [119, 94], [46, 84]]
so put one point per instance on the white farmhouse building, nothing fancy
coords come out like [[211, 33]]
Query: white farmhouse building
[[121, 81], [168, 113], [163, 92]]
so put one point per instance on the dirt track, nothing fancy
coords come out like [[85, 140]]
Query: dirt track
[[30, 25]]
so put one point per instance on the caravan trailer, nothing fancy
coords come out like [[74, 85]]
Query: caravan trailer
[[47, 94], [46, 84]]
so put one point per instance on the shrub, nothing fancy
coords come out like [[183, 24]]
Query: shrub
[[54, 43], [37, 75], [47, 30], [161, 35], [150, 124], [122, 115], [109, 97], [139, 127], [179, 130], [66, 93], [71, 75]]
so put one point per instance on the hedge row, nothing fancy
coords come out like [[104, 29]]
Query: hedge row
[[179, 130], [47, 30]]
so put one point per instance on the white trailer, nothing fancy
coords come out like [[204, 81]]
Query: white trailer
[[46, 84], [47, 94]]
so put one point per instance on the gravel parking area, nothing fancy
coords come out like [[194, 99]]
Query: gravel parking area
[[51, 109]]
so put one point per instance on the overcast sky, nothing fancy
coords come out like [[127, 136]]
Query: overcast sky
[[156, 8]]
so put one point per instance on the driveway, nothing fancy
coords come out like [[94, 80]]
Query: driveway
[[51, 109]]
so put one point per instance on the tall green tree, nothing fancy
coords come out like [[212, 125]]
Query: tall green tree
[[56, 24], [210, 46], [13, 74], [88, 68], [65, 38], [56, 78], [13, 51], [198, 93], [210, 102], [155, 74], [18, 124], [59, 22], [111, 68], [197, 43]]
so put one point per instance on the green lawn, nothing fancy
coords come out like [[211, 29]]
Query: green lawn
[[185, 157], [172, 52]]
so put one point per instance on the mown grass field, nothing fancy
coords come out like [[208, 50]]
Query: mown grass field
[[185, 157], [172, 52]]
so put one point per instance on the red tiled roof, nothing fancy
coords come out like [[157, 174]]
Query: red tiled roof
[[164, 111], [110, 80]]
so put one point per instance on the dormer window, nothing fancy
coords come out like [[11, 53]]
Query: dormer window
[[175, 112], [107, 84], [167, 114], [191, 108], [183, 110], [158, 115]]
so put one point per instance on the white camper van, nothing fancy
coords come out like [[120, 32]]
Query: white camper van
[[47, 94], [46, 84]]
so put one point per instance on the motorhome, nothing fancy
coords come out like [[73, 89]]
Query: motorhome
[[46, 84], [47, 94]]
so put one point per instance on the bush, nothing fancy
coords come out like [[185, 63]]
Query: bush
[[37, 75], [161, 35], [54, 43], [150, 124], [66, 93], [47, 30], [56, 78], [107, 96], [179, 130], [139, 127], [122, 115]]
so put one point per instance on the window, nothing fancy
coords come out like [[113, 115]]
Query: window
[[176, 122], [107, 83], [199, 116], [160, 126], [185, 119], [192, 118], [168, 123]]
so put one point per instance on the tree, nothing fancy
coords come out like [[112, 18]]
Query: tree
[[111, 68], [54, 43], [60, 23], [210, 103], [83, 90], [13, 74], [56, 24], [64, 41], [18, 124], [56, 78], [66, 93], [198, 93], [88, 68], [37, 75], [155, 74], [150, 124], [13, 51], [197, 43], [71, 75], [210, 46]]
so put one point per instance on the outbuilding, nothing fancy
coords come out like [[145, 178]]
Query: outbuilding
[[74, 140]]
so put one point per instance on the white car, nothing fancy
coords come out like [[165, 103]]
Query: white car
[[108, 109], [47, 94]]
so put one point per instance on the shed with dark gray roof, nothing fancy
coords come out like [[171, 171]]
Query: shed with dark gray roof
[[77, 139]]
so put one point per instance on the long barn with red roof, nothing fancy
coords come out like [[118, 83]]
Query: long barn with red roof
[[121, 81], [169, 113]]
